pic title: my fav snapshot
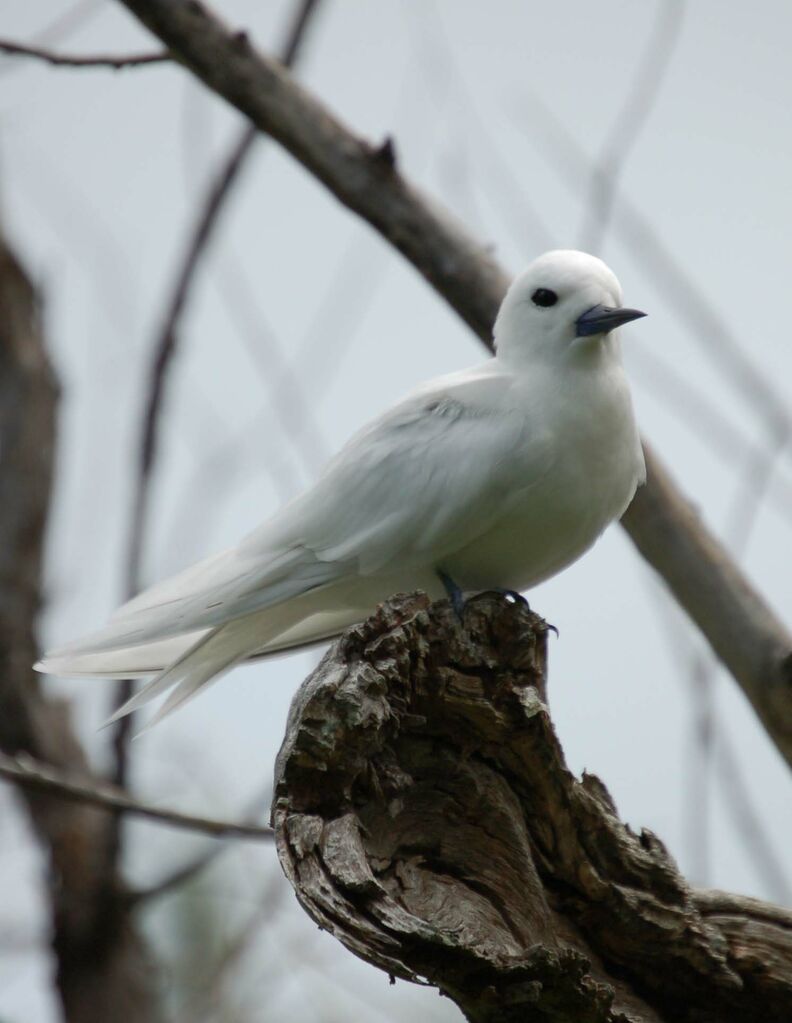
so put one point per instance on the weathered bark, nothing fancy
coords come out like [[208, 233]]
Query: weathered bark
[[425, 816], [103, 971]]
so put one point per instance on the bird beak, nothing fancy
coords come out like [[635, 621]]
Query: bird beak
[[600, 319]]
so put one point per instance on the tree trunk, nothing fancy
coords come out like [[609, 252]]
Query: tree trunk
[[425, 816], [103, 970]]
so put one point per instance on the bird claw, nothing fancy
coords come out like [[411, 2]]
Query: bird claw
[[457, 599], [513, 597]]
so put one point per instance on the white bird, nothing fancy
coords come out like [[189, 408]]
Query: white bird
[[496, 477]]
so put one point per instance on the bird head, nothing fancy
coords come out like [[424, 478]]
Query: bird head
[[565, 304]]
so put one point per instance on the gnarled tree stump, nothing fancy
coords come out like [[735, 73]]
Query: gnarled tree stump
[[425, 816]]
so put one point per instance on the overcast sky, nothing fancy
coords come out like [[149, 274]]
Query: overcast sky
[[100, 175]]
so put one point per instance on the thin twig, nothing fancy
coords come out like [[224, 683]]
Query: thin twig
[[604, 184], [278, 375], [206, 999], [710, 743], [61, 27], [667, 384], [707, 325], [164, 349], [187, 871], [35, 775], [641, 97], [769, 867], [115, 63], [441, 67], [66, 23], [179, 877]]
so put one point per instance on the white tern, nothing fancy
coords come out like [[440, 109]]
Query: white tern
[[495, 477]]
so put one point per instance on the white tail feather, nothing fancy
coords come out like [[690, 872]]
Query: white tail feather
[[212, 655]]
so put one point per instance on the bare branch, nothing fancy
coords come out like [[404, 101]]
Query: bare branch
[[459, 267], [115, 63], [712, 590], [742, 630], [35, 775]]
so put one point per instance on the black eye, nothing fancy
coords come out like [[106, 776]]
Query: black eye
[[544, 297]]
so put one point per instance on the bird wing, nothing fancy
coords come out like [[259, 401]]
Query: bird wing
[[421, 481]]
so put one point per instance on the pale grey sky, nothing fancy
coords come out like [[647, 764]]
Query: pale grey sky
[[100, 174]]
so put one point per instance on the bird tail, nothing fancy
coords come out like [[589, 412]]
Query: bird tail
[[207, 660], [211, 655]]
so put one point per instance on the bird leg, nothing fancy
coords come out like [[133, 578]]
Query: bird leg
[[455, 595], [514, 597]]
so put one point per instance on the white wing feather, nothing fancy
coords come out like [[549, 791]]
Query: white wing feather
[[415, 485]]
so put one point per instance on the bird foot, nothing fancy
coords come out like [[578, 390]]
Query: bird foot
[[457, 598], [514, 597]]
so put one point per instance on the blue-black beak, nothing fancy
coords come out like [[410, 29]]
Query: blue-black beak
[[600, 319]]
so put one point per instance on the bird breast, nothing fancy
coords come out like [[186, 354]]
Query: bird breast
[[593, 464]]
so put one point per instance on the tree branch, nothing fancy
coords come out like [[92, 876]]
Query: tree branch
[[464, 273], [63, 60], [36, 776], [425, 816], [742, 630]]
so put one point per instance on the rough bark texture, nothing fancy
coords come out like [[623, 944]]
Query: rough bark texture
[[102, 966], [425, 816]]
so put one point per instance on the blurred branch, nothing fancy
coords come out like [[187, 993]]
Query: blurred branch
[[675, 391], [521, 218], [278, 375], [207, 1000], [66, 23], [101, 961], [769, 867], [164, 349], [641, 96], [710, 743], [742, 630], [361, 176], [199, 863], [754, 483], [63, 60], [39, 777], [707, 325]]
